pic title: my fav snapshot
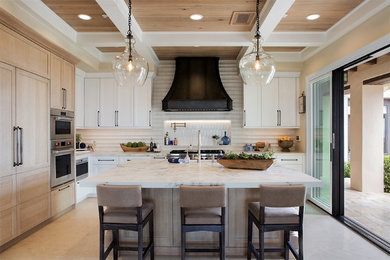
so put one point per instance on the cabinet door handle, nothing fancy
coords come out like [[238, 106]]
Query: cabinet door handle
[[150, 117], [244, 117], [278, 117], [16, 146], [63, 98], [98, 118], [116, 118], [106, 160], [66, 99], [20, 146], [64, 188], [289, 160]]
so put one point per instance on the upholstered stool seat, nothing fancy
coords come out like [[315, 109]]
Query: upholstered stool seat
[[278, 208], [203, 209], [121, 208], [276, 215]]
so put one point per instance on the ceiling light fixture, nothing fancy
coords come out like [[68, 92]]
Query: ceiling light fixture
[[257, 67], [84, 17], [130, 68], [196, 17], [313, 17]]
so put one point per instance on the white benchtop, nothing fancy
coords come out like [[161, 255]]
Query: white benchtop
[[154, 173]]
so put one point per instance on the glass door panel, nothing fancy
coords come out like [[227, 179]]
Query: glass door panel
[[321, 135]]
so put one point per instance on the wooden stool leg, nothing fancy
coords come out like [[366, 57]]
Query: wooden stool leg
[[222, 243], [300, 242], [115, 237], [286, 239], [140, 238], [101, 249], [151, 237], [183, 244], [250, 226], [261, 243]]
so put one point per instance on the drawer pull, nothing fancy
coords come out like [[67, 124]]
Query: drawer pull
[[289, 160], [64, 188], [106, 160]]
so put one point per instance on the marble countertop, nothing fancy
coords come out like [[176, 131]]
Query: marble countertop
[[156, 173], [117, 153]]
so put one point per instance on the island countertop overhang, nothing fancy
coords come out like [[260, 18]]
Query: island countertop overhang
[[154, 173]]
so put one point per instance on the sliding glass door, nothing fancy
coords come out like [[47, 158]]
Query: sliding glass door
[[321, 140]]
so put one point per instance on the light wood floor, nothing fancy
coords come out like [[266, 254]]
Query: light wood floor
[[372, 210], [74, 236]]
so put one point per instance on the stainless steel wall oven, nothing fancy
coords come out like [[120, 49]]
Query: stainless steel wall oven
[[62, 162]]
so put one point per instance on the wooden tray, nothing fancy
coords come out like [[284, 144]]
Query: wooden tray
[[134, 149], [246, 164]]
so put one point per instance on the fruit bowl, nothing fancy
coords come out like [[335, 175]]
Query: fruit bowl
[[285, 145]]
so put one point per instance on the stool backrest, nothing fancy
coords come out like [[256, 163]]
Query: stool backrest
[[119, 196], [202, 196], [282, 196]]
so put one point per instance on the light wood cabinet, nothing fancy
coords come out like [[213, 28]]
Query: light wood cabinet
[[62, 83], [7, 119], [272, 106], [33, 212], [62, 197], [32, 106], [8, 225], [79, 102], [33, 184], [7, 192], [22, 53], [108, 106]]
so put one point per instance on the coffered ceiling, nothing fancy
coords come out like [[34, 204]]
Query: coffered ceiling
[[163, 29]]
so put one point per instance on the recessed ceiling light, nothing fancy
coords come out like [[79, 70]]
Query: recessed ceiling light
[[84, 17], [196, 17], [313, 17]]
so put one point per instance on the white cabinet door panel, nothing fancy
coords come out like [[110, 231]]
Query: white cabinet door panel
[[107, 102], [269, 104], [252, 106], [288, 102], [125, 106], [91, 103], [79, 102], [142, 105]]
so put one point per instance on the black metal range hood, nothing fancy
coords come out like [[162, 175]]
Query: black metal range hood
[[197, 86]]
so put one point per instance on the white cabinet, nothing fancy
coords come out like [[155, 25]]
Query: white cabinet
[[91, 103], [272, 106], [295, 161], [108, 106]]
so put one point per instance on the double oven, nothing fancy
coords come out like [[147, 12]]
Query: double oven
[[62, 165]]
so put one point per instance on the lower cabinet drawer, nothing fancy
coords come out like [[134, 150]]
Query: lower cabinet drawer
[[62, 197], [7, 225], [32, 184], [33, 212]]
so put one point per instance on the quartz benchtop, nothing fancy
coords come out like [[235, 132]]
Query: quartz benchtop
[[157, 173]]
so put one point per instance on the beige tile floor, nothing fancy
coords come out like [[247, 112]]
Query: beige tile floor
[[75, 236], [372, 210]]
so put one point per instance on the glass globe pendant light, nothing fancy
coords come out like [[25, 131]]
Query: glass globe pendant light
[[130, 68], [257, 67]]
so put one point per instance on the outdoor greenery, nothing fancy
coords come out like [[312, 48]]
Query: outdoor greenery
[[347, 169], [245, 156], [386, 172], [386, 167]]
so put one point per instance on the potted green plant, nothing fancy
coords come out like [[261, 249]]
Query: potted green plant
[[247, 161], [78, 139]]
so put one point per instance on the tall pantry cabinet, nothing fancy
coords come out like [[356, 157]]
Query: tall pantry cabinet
[[24, 135]]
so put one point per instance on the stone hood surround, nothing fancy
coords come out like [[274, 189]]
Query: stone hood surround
[[155, 173]]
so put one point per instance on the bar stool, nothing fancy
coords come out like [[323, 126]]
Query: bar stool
[[277, 210], [202, 208], [121, 208]]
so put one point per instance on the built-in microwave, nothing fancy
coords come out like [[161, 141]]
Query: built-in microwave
[[61, 124]]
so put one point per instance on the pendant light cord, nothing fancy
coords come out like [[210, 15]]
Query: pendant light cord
[[257, 35], [129, 32]]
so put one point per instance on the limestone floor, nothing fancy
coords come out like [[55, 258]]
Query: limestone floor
[[74, 236], [371, 210]]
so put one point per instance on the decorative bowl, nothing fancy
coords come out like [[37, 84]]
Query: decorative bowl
[[246, 164], [285, 145], [134, 149]]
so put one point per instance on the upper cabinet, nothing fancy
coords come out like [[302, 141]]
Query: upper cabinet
[[105, 105], [62, 83], [272, 106]]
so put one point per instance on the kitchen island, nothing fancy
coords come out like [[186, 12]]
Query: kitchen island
[[160, 180]]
